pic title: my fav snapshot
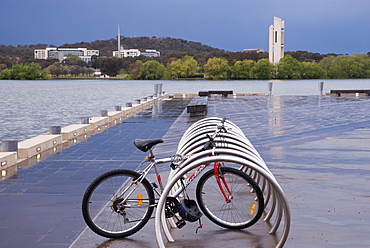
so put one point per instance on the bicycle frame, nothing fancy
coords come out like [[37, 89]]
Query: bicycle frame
[[221, 181]]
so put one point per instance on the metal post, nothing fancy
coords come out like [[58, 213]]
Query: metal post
[[83, 120], [155, 90], [159, 90], [269, 87], [9, 145], [55, 130], [321, 87], [103, 113]]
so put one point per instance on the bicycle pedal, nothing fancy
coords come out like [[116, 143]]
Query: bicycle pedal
[[180, 224]]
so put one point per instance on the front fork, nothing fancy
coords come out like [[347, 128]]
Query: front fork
[[221, 181]]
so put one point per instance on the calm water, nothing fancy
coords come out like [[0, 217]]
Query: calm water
[[28, 108]]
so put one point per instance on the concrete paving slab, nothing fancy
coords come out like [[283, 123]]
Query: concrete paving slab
[[317, 148]]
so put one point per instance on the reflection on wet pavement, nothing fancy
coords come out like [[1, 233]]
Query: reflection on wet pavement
[[317, 148]]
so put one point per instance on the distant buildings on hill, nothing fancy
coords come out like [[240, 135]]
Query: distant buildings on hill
[[85, 54], [136, 53], [276, 48], [62, 53], [124, 53], [258, 50]]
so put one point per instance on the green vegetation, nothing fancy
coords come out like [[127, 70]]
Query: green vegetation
[[180, 59], [31, 71]]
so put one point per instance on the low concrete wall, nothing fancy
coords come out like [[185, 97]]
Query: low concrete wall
[[74, 131], [44, 145]]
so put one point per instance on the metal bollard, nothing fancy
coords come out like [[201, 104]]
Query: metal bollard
[[159, 90], [83, 120], [118, 108], [129, 104], [103, 113], [9, 145], [321, 87], [55, 130], [269, 88], [155, 90]]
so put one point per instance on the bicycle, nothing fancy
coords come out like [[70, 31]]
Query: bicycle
[[120, 202]]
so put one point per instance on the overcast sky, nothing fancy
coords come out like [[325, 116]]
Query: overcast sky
[[324, 26]]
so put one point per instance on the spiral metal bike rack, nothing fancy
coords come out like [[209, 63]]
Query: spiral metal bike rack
[[231, 146]]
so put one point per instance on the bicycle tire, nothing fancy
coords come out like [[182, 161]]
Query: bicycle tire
[[234, 214], [101, 203]]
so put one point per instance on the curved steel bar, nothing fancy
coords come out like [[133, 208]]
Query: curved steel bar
[[205, 123], [247, 163], [202, 134], [225, 158], [220, 142]]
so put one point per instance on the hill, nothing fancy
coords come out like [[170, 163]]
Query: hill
[[165, 45]]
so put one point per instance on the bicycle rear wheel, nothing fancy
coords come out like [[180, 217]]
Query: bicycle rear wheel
[[245, 205], [107, 213]]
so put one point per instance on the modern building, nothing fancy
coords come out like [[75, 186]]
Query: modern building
[[257, 50], [124, 53], [276, 40], [62, 53], [136, 53]]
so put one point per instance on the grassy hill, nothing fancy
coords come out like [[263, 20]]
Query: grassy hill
[[165, 45]]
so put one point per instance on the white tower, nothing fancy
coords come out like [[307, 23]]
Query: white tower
[[119, 42], [276, 40]]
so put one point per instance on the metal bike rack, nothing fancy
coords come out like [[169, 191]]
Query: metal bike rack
[[231, 147]]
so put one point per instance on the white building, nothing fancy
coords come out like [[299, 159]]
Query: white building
[[62, 53], [257, 50], [276, 40], [136, 53]]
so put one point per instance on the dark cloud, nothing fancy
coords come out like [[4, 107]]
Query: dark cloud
[[323, 26]]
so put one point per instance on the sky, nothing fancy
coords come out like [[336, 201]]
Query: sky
[[322, 26]]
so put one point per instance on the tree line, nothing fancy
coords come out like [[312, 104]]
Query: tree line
[[181, 59], [187, 66]]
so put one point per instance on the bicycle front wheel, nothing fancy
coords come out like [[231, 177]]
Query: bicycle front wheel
[[115, 205], [244, 206]]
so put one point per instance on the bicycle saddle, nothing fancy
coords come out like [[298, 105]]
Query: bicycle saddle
[[146, 145]]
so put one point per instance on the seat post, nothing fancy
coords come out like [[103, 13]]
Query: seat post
[[151, 154]]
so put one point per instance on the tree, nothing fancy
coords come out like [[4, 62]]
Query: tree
[[110, 66], [242, 69], [152, 70], [74, 60], [29, 71], [289, 68], [312, 70], [262, 69], [75, 70], [3, 66], [184, 67], [55, 69], [217, 68], [134, 68], [347, 68]]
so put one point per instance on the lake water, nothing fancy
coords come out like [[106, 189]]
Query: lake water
[[28, 108]]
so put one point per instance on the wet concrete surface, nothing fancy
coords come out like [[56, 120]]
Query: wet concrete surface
[[317, 148]]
